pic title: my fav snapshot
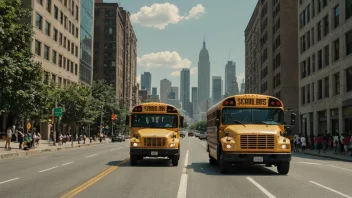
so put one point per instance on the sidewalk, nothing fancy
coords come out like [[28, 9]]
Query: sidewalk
[[329, 154], [44, 146]]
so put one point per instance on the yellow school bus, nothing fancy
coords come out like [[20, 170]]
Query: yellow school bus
[[155, 132], [248, 128]]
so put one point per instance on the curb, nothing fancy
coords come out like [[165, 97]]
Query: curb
[[33, 152], [329, 157]]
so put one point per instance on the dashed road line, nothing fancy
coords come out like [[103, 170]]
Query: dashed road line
[[332, 190], [47, 169], [67, 163], [339, 167], [91, 155], [182, 189], [9, 180], [267, 193], [311, 163]]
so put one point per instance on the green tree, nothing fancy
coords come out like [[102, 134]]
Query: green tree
[[21, 79]]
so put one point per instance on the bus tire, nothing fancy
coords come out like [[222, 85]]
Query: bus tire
[[133, 160], [212, 161], [174, 160], [224, 166], [283, 168]]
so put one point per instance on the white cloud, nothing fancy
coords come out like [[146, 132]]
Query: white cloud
[[240, 77], [193, 71], [164, 59], [138, 79], [161, 15]]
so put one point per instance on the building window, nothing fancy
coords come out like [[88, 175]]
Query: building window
[[313, 63], [313, 92], [319, 30], [336, 16], [76, 52], [48, 5], [326, 25], [56, 12], [337, 83], [349, 43], [47, 28], [46, 52], [68, 65], [326, 55], [60, 60], [77, 13], [336, 49], [72, 67], [303, 95], [64, 42], [39, 21], [53, 57], [61, 18], [308, 67], [59, 81], [348, 9], [76, 69], [53, 78], [313, 8], [320, 89], [320, 59], [55, 34], [38, 48], [313, 36], [349, 79], [72, 48], [326, 79], [60, 39], [303, 69]]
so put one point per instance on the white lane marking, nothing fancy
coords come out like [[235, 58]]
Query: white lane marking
[[91, 155], [261, 188], [9, 180], [47, 169], [308, 163], [339, 167], [332, 190], [182, 189], [203, 145], [67, 163]]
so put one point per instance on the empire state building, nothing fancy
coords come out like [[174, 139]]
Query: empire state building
[[203, 75]]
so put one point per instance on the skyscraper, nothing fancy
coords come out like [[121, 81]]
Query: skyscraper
[[216, 85], [203, 74], [194, 102], [146, 81], [185, 90], [86, 46], [165, 89], [175, 90], [154, 91], [231, 85]]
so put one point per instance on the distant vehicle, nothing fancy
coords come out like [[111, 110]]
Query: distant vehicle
[[183, 134], [190, 134], [197, 134], [203, 136], [116, 138]]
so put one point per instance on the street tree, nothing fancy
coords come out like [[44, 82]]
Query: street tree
[[20, 76]]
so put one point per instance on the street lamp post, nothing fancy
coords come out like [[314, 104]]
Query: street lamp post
[[101, 119]]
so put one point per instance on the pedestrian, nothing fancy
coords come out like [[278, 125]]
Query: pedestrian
[[320, 143], [346, 142], [84, 139], [20, 138], [342, 148], [8, 138], [325, 141], [303, 142]]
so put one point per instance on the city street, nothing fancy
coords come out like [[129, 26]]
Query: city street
[[104, 171]]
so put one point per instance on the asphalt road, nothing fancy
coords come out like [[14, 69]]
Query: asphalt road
[[104, 171]]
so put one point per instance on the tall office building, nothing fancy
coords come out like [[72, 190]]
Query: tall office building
[[271, 43], [165, 89], [325, 69], [203, 74], [154, 91], [216, 86], [231, 85], [115, 55], [243, 87], [86, 42], [175, 90], [146, 81], [185, 89], [194, 102]]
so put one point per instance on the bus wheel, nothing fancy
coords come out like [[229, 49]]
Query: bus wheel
[[174, 160], [133, 160], [212, 161], [224, 166], [283, 168]]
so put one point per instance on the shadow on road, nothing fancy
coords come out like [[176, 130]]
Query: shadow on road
[[300, 156], [249, 170], [115, 163], [155, 162]]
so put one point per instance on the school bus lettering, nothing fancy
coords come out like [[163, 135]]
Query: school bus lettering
[[249, 131], [154, 108]]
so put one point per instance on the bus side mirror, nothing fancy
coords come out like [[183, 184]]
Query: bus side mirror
[[127, 120], [181, 121], [218, 114], [293, 118], [217, 122]]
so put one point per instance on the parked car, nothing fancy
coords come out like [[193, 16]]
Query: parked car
[[197, 134], [117, 138], [183, 134], [203, 136]]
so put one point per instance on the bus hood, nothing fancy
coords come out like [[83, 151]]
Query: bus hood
[[155, 133], [253, 129]]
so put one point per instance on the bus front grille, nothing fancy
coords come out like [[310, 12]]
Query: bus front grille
[[257, 141], [155, 142]]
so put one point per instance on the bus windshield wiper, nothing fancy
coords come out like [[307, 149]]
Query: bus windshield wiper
[[238, 122]]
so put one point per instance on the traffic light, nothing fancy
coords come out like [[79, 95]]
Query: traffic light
[[51, 119], [293, 118]]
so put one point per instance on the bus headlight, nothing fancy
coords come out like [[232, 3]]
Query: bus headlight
[[283, 146], [134, 144], [172, 145], [228, 146]]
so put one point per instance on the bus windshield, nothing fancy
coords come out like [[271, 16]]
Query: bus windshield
[[267, 116], [154, 121]]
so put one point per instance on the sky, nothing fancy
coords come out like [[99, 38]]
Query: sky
[[170, 35]]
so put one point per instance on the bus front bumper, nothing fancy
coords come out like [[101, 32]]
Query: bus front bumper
[[149, 152], [257, 158]]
